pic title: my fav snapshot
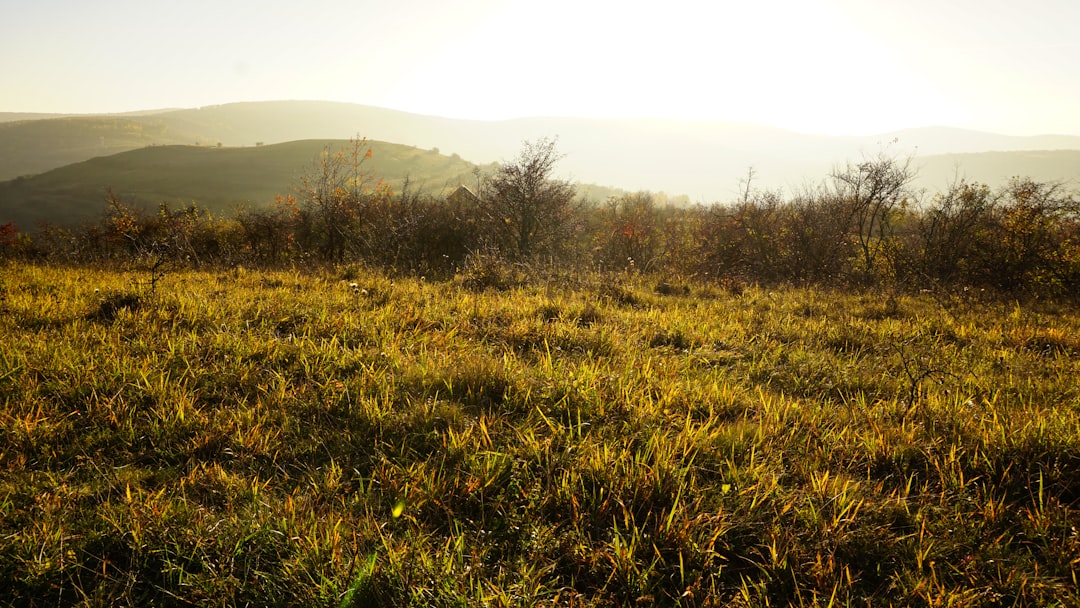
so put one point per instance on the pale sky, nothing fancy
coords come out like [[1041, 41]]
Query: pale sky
[[818, 66]]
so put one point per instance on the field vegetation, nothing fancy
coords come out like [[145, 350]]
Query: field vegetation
[[366, 397], [344, 438]]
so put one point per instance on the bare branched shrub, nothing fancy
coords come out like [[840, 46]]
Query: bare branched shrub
[[526, 210], [1021, 239], [269, 234], [958, 233], [1038, 238], [340, 195], [868, 195], [628, 232]]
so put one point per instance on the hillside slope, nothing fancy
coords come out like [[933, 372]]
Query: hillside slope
[[704, 160], [936, 172], [219, 179], [34, 146]]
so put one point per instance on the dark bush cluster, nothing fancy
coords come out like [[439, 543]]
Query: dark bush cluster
[[862, 226], [1022, 240]]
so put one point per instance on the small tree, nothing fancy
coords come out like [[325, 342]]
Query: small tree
[[336, 196], [958, 234], [1036, 237], [527, 210], [760, 234], [817, 239], [870, 192]]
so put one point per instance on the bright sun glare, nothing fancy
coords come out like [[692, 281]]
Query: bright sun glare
[[828, 66], [811, 71]]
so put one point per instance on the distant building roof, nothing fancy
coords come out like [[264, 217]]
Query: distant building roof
[[463, 194]]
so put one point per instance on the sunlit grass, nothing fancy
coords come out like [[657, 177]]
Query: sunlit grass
[[283, 438]]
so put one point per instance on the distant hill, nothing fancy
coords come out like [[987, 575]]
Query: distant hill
[[24, 116], [936, 172], [19, 116], [704, 160], [219, 179], [35, 146]]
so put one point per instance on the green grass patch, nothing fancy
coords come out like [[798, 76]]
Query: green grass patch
[[284, 438]]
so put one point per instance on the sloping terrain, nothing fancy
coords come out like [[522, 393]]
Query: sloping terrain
[[35, 146], [219, 179], [704, 160], [996, 168]]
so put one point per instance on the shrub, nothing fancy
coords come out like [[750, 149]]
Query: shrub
[[488, 270]]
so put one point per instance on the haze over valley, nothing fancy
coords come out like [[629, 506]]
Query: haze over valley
[[43, 158]]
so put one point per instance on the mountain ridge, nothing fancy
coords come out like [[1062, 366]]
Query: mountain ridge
[[705, 160]]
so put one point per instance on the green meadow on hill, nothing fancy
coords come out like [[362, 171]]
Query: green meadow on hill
[[339, 437], [220, 180], [30, 147]]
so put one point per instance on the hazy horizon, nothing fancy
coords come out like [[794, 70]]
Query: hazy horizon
[[640, 119], [834, 67]]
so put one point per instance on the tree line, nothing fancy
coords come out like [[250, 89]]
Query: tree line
[[863, 225]]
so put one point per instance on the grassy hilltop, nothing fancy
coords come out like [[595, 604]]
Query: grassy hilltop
[[30, 147], [217, 179], [338, 438]]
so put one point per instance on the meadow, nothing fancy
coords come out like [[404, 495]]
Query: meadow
[[338, 437]]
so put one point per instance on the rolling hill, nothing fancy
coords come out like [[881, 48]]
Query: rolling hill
[[704, 160], [219, 179], [937, 171], [29, 147]]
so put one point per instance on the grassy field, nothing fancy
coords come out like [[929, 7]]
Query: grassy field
[[339, 438]]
